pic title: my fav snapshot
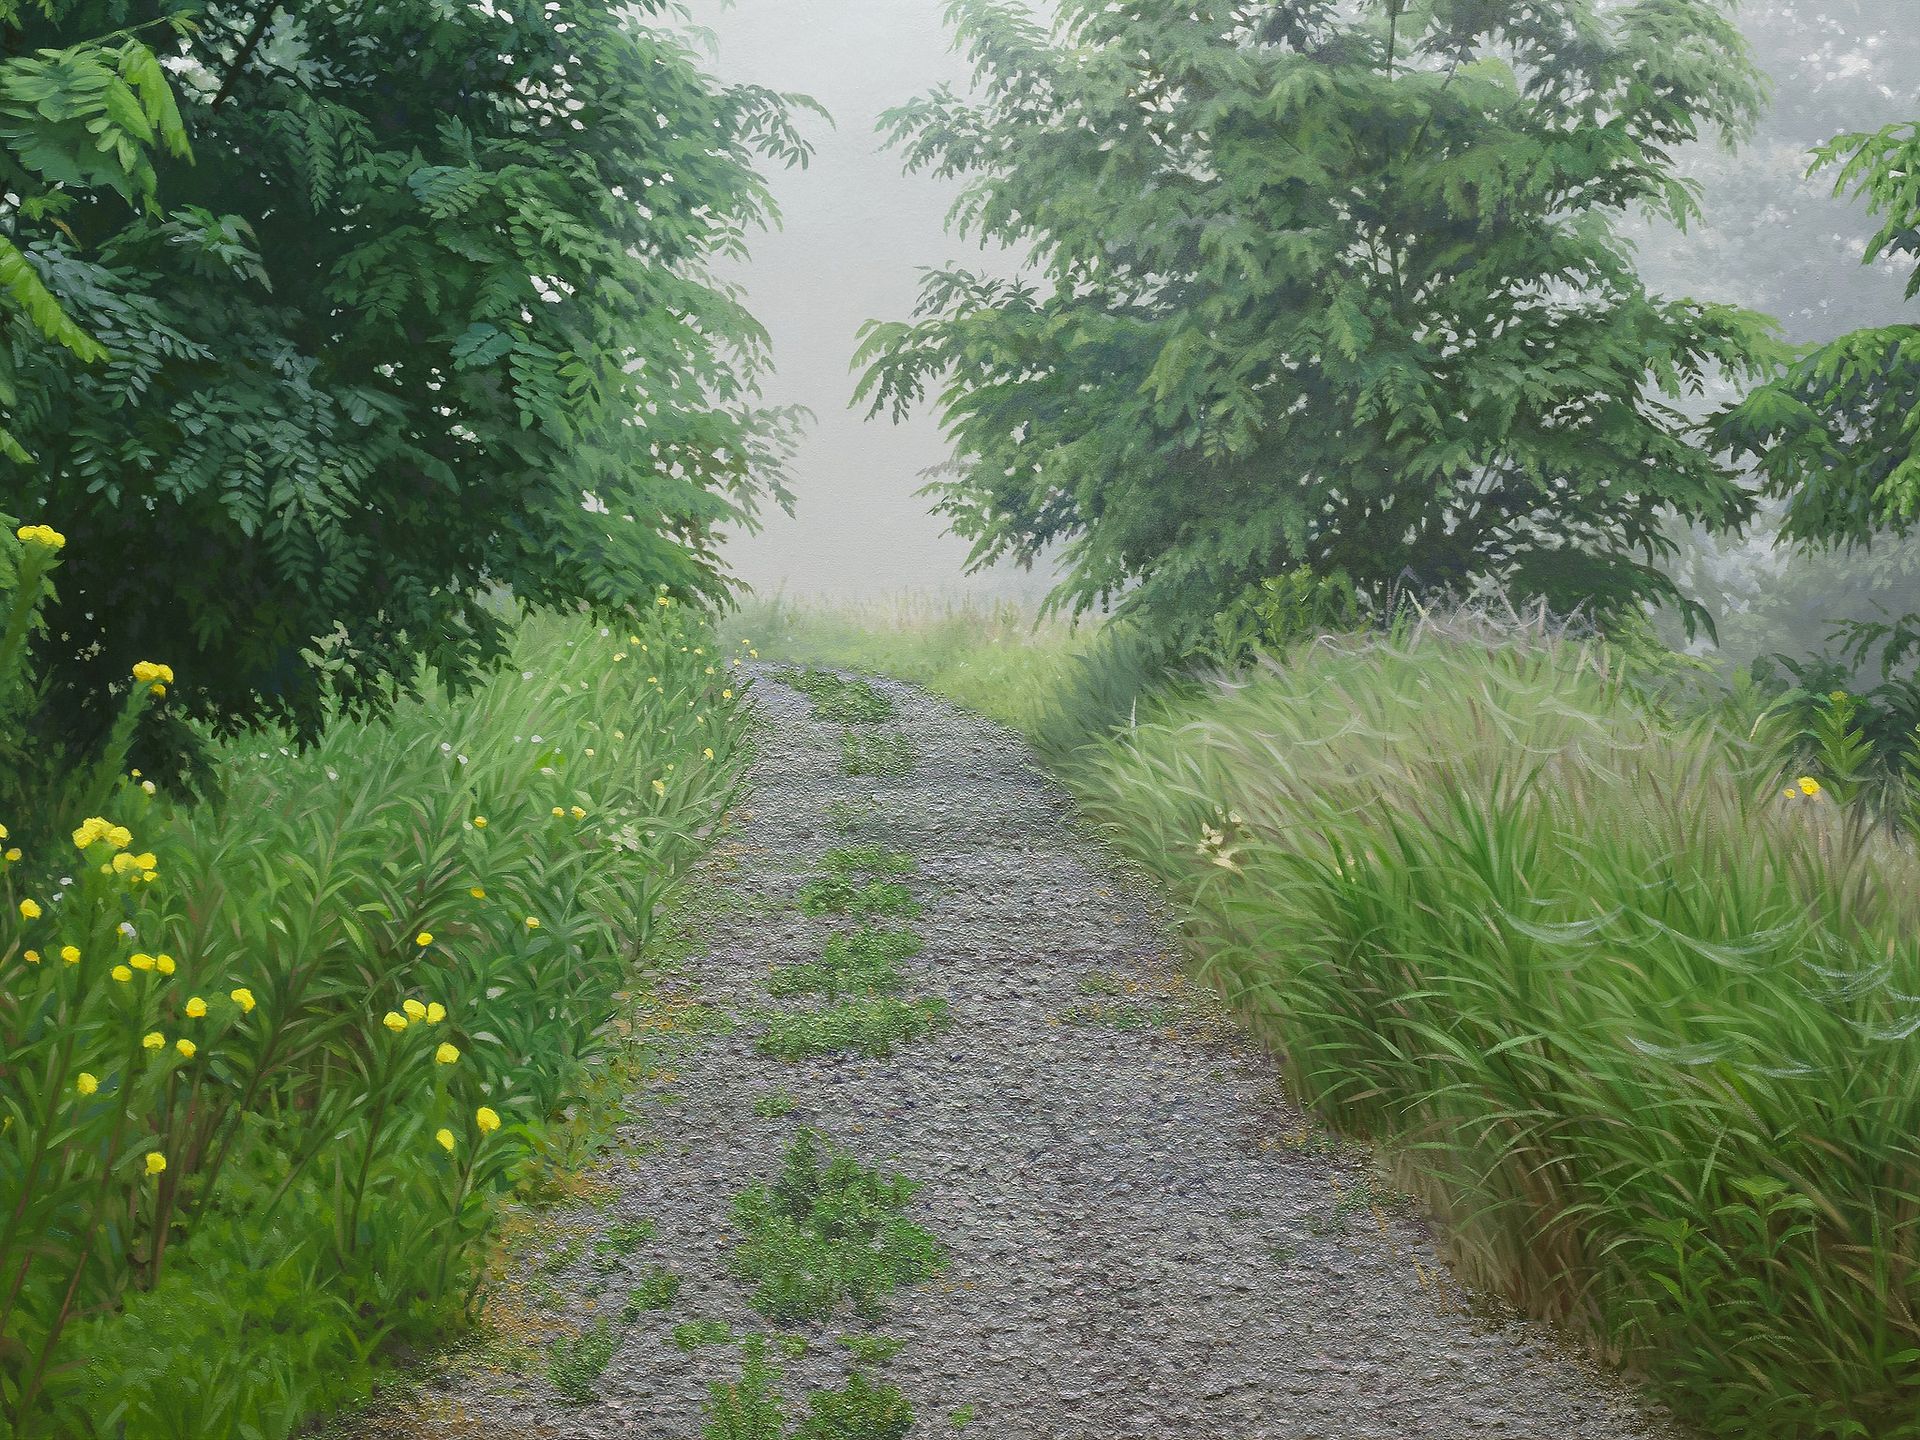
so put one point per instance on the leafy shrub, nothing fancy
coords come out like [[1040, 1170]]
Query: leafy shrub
[[829, 1231]]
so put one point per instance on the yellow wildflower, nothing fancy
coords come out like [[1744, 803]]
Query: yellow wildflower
[[3, 832], [32, 957], [121, 973], [436, 1012], [140, 960], [186, 1047], [533, 922], [578, 813], [29, 909], [42, 535], [163, 963], [659, 787], [156, 1162], [196, 1008], [243, 997], [147, 673], [13, 853], [708, 752], [478, 892], [1808, 785], [486, 1119], [154, 1040], [663, 600], [726, 694], [558, 812], [89, 831], [446, 1054], [70, 954], [445, 1137], [479, 822], [415, 1010], [86, 1084], [423, 939], [394, 1021]]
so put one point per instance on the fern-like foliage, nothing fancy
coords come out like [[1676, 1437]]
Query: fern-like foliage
[[429, 314], [1324, 284]]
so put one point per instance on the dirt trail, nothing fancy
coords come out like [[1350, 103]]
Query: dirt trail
[[1147, 1239]]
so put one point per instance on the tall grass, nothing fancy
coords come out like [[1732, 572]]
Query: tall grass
[[259, 1109], [1642, 1029]]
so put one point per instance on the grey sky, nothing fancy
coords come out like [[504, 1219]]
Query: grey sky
[[856, 232]]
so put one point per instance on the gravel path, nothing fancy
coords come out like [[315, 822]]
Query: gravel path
[[1147, 1239]]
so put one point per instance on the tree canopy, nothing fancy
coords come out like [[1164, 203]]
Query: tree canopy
[[427, 312], [1325, 284]]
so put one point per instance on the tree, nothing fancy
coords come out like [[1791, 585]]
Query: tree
[[1325, 284], [428, 315]]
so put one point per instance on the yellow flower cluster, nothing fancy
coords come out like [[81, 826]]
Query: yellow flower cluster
[[1806, 785], [43, 535], [155, 677], [95, 830], [427, 1012], [136, 867]]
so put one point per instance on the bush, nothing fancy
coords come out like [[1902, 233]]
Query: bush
[[1637, 1024], [252, 1164]]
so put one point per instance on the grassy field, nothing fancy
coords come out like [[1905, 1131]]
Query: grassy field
[[264, 1105], [1628, 1006]]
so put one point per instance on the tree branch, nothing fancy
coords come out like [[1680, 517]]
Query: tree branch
[[252, 43]]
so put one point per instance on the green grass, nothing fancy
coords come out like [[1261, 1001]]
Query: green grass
[[575, 1363], [871, 1026], [847, 700], [1633, 1024], [657, 1290], [827, 1233], [310, 1217], [865, 961], [773, 1104], [880, 752], [693, 1334]]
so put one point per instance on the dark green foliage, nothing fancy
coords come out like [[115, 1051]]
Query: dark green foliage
[[859, 1411], [851, 701], [869, 1026], [1320, 284], [829, 1231], [1279, 612], [836, 894], [429, 313], [854, 962], [575, 1363]]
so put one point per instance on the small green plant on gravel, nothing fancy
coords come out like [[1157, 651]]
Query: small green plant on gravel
[[845, 816], [848, 700], [871, 1026], [853, 962], [872, 1349], [837, 894], [692, 1334], [1121, 1014], [773, 1104], [575, 1362], [626, 1237], [868, 860], [962, 1416], [860, 1410], [827, 1231], [747, 1408], [657, 1290], [793, 1345], [885, 752], [568, 1251]]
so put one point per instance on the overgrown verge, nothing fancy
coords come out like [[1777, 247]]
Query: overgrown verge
[[269, 1064], [1629, 1005]]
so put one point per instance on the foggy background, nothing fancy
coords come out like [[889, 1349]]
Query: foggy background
[[857, 232]]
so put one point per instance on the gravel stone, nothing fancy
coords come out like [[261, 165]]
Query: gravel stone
[[1136, 1251]]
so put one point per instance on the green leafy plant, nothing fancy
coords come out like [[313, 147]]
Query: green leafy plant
[[774, 1104], [575, 1363], [865, 961], [695, 1333], [859, 1410], [880, 753], [849, 701], [829, 1232], [867, 859], [657, 1290], [872, 1349], [837, 894], [870, 1026], [747, 1408]]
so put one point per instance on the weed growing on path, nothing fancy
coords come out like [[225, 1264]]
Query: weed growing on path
[[860, 1410], [848, 700], [845, 816], [872, 1349], [657, 1290], [575, 1362], [869, 1026], [853, 962], [626, 1237], [774, 1104], [747, 1408], [962, 1416], [867, 859], [828, 1231], [695, 1333], [840, 895], [881, 753]]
